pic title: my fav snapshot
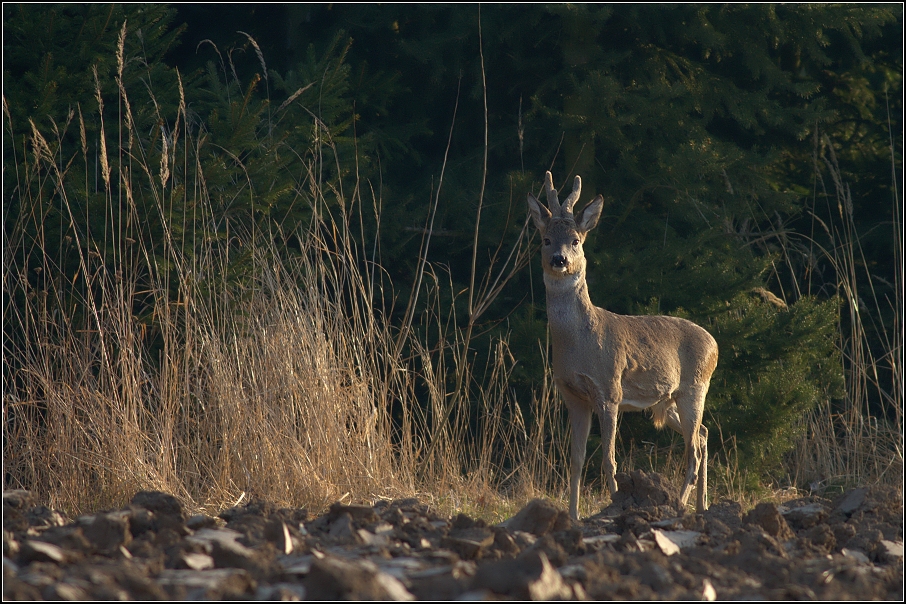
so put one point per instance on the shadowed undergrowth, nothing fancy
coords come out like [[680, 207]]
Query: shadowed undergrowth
[[218, 363]]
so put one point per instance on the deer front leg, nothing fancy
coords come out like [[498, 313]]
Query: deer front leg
[[580, 425], [607, 414]]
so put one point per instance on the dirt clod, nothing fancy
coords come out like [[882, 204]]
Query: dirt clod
[[643, 546]]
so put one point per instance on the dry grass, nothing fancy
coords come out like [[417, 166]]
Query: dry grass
[[859, 440], [292, 385], [289, 385]]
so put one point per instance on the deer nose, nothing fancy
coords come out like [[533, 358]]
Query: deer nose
[[558, 260]]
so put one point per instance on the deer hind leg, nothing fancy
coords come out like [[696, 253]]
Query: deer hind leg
[[580, 425], [695, 436], [701, 502]]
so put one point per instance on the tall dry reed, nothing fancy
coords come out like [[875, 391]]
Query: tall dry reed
[[152, 369], [859, 440]]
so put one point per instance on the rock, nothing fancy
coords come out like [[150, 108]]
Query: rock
[[554, 552], [282, 592], [120, 579], [843, 532], [18, 499], [671, 542], [850, 501], [65, 591], [16, 589], [40, 551], [539, 517], [343, 529], [401, 550], [854, 554], [278, 532], [715, 528], [504, 542], [729, 513], [142, 520], [768, 517], [640, 490], [596, 541], [252, 527], [441, 584], [10, 545], [16, 503], [159, 503], [803, 516], [821, 537], [528, 577], [208, 536], [362, 514], [196, 561], [200, 521], [468, 542], [42, 518], [332, 578], [366, 537], [709, 594], [216, 584], [892, 551], [68, 538], [108, 532], [232, 554]]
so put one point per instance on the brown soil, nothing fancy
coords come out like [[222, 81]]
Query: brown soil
[[643, 546]]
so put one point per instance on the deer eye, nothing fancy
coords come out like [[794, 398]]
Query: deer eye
[[575, 242], [546, 241]]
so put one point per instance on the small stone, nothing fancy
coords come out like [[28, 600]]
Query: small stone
[[332, 578], [281, 592], [851, 501], [360, 513], [65, 591], [768, 517], [200, 521], [232, 554], [197, 561], [40, 551], [671, 542], [538, 517], [107, 532], [638, 489], [159, 503], [214, 584], [343, 529], [854, 554], [278, 532], [19, 499], [528, 577], [598, 540], [892, 550], [805, 516]]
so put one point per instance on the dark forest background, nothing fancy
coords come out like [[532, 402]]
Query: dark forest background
[[749, 156]]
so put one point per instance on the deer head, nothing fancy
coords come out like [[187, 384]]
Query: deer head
[[562, 232]]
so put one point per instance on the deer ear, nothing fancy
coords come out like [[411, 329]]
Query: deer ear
[[540, 214], [588, 217]]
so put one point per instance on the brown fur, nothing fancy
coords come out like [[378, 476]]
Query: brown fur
[[604, 362]]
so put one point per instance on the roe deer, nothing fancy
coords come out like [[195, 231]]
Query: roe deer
[[608, 362]]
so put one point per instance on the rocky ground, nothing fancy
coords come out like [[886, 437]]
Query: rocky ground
[[643, 546]]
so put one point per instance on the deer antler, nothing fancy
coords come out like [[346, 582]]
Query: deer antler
[[574, 196], [553, 202]]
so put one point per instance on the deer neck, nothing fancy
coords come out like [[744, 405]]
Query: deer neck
[[568, 304]]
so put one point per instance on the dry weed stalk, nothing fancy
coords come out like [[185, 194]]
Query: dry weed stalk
[[290, 386]]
